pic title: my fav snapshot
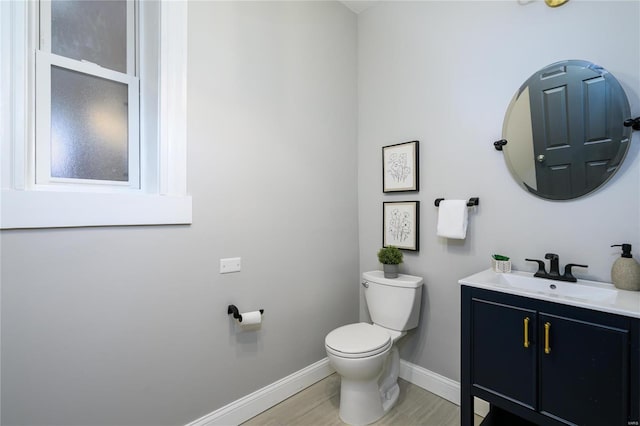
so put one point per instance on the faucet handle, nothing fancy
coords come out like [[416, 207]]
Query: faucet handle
[[568, 276], [541, 271]]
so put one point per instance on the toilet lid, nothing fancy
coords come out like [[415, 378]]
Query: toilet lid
[[358, 340]]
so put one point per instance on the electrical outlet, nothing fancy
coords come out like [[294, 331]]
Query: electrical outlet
[[231, 264]]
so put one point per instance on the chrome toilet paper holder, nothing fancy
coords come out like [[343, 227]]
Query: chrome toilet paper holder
[[233, 310]]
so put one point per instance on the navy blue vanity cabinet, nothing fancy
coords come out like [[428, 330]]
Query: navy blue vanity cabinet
[[502, 362], [584, 368], [542, 363]]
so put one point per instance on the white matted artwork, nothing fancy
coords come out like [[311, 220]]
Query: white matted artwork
[[400, 167], [400, 224]]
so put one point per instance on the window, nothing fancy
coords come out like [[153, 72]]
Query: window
[[114, 73], [87, 94]]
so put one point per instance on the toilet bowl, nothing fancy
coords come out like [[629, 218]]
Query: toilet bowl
[[365, 355]]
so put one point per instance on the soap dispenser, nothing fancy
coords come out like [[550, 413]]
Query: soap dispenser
[[625, 272]]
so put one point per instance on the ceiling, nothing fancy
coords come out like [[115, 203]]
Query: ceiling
[[359, 5]]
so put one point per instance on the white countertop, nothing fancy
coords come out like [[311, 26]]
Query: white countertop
[[594, 295]]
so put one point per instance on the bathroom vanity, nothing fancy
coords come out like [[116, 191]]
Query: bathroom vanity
[[544, 352]]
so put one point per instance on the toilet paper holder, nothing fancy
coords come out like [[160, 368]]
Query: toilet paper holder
[[232, 309]]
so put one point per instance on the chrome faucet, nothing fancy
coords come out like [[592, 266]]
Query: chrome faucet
[[554, 269]]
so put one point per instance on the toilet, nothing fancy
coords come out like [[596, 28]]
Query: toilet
[[365, 355]]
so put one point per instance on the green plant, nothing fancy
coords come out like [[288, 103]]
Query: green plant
[[390, 255]]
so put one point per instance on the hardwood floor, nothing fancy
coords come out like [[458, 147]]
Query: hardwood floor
[[318, 405]]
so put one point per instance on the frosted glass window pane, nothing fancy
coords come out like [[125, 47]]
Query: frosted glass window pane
[[92, 30], [89, 127]]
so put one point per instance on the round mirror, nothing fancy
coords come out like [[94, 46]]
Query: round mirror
[[564, 130]]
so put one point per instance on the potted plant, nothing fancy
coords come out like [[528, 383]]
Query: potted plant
[[390, 257]]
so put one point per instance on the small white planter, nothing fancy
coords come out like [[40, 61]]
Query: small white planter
[[503, 266]]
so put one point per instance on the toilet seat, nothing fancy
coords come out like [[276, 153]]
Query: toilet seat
[[358, 340]]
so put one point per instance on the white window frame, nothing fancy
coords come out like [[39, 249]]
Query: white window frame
[[44, 60], [25, 204]]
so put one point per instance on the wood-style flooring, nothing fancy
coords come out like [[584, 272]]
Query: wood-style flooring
[[318, 405]]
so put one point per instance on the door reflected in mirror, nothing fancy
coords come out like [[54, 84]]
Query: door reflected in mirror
[[564, 130]]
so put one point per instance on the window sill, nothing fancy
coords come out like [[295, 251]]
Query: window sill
[[54, 209]]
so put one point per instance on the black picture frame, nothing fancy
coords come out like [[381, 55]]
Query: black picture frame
[[400, 169], [401, 224]]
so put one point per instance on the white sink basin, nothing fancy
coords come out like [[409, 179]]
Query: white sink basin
[[589, 294], [585, 290]]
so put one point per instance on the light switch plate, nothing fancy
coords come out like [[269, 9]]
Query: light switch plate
[[231, 264]]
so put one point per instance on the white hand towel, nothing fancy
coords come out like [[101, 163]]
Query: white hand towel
[[452, 219]]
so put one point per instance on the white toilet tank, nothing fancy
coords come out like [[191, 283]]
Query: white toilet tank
[[393, 302]]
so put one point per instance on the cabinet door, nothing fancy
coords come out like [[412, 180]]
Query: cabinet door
[[584, 369], [504, 360]]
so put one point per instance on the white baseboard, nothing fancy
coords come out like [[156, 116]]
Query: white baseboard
[[439, 385], [255, 403]]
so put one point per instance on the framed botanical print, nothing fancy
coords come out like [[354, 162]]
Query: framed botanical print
[[400, 167], [401, 224]]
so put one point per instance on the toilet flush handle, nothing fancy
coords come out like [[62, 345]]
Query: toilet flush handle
[[365, 284]]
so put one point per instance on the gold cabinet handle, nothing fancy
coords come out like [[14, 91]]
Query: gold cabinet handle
[[526, 332], [547, 348]]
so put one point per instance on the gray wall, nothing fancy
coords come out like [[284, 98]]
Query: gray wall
[[443, 73], [128, 326]]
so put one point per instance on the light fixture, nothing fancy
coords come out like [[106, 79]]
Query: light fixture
[[555, 3]]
